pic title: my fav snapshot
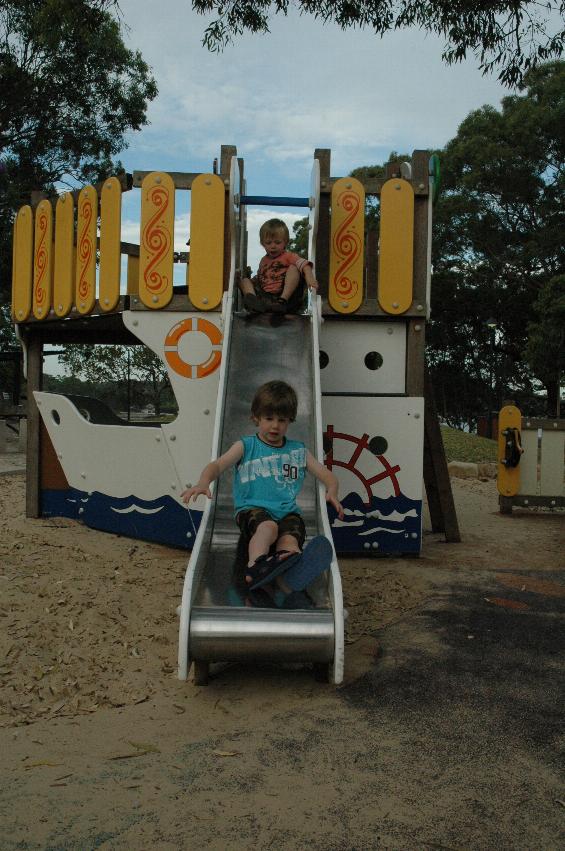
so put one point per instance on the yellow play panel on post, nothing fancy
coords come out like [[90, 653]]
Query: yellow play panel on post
[[22, 265], [64, 279], [43, 260], [345, 291], [85, 280], [508, 479], [110, 255], [396, 246], [206, 261], [156, 241]]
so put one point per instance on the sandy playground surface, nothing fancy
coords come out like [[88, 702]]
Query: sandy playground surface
[[103, 747]]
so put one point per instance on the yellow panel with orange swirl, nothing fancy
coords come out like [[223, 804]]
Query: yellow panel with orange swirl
[[396, 246], [22, 265], [64, 276], [85, 279], [206, 267], [43, 260], [110, 252], [156, 240], [347, 239]]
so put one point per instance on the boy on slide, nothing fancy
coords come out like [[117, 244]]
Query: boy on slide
[[275, 287], [269, 474]]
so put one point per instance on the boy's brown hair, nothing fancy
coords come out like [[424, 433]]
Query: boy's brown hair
[[271, 228], [275, 398]]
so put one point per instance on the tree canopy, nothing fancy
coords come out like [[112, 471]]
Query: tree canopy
[[498, 244], [508, 36], [70, 91]]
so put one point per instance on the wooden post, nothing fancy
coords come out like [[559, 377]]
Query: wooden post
[[226, 154], [323, 240], [436, 474], [33, 459]]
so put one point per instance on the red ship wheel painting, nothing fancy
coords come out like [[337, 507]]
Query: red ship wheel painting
[[372, 445]]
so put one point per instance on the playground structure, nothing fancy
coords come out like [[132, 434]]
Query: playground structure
[[531, 461], [356, 357]]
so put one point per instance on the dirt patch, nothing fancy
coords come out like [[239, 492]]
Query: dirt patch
[[115, 752]]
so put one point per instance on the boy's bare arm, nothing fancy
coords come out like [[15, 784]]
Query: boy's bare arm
[[310, 278], [328, 479], [213, 471]]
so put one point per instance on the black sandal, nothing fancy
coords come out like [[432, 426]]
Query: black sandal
[[267, 567]]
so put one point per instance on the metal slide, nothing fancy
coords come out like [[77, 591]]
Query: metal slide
[[215, 625]]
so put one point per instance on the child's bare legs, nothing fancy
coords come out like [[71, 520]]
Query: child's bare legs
[[261, 540], [291, 281], [246, 286]]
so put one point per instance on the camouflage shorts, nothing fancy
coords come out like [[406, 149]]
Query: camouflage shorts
[[291, 524]]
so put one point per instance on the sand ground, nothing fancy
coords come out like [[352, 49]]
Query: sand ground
[[445, 734]]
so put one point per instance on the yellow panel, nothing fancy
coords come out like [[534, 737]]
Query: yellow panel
[[396, 246], [156, 242], [133, 275], [508, 479], [43, 260], [206, 268], [22, 268], [64, 275], [347, 245], [85, 279], [110, 235]]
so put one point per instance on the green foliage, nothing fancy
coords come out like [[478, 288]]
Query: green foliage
[[508, 36], [545, 349], [497, 244], [299, 239], [110, 369], [70, 91]]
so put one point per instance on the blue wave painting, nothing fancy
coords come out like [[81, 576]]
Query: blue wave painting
[[392, 525], [161, 520]]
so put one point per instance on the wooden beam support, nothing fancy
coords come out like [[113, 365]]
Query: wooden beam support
[[33, 454], [436, 474], [323, 239]]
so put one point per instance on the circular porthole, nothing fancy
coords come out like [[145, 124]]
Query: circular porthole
[[55, 417], [378, 445], [324, 360], [373, 360]]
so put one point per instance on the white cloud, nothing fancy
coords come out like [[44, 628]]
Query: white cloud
[[279, 96]]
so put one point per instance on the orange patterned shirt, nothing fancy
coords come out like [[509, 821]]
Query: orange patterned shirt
[[272, 270]]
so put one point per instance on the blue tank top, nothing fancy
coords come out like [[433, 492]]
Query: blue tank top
[[269, 477]]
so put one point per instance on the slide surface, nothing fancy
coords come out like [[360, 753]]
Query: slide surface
[[215, 622]]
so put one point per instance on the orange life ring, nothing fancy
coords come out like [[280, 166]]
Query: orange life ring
[[189, 370]]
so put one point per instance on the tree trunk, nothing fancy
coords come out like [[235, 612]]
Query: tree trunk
[[553, 398]]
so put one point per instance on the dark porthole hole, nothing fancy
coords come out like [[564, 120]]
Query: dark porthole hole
[[378, 445], [373, 360], [324, 359], [55, 417]]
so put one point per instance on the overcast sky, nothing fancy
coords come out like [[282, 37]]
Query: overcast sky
[[277, 97]]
